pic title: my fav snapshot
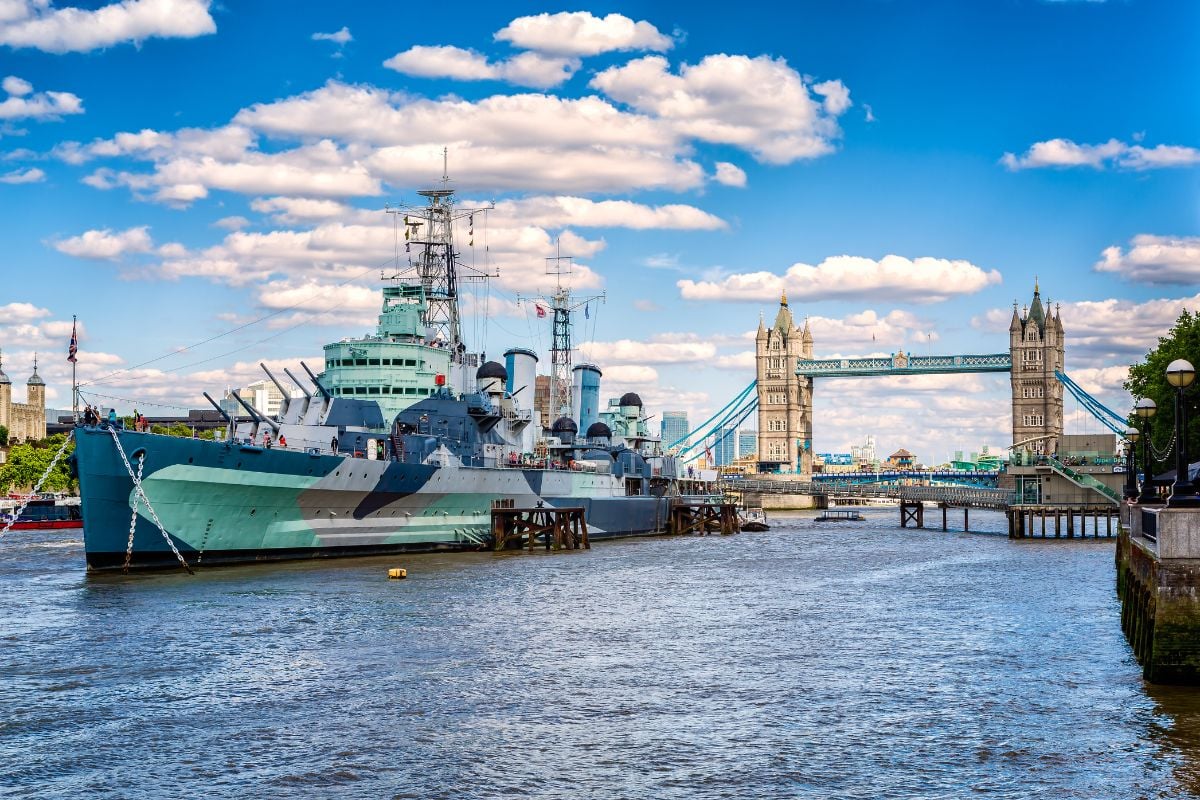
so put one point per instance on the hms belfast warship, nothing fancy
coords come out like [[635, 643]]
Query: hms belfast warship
[[403, 443]]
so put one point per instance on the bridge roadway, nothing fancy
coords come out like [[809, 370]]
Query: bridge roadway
[[958, 477], [999, 499]]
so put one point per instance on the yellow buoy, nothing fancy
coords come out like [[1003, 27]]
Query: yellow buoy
[[397, 573]]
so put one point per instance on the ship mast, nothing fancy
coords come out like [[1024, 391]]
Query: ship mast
[[560, 351], [431, 230]]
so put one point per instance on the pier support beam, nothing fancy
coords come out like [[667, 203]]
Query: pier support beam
[[558, 528], [912, 511]]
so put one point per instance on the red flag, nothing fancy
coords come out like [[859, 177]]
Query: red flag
[[540, 311], [74, 346]]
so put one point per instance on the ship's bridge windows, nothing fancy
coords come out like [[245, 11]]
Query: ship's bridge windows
[[374, 362], [387, 362], [423, 391], [411, 362], [360, 362], [372, 390], [410, 390], [360, 390]]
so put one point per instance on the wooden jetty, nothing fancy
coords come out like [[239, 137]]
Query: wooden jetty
[[702, 516], [520, 528], [1046, 521]]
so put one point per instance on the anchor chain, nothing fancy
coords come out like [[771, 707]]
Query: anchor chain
[[137, 501], [37, 488], [137, 486]]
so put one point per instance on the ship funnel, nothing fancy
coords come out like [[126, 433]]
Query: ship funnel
[[585, 395], [521, 367]]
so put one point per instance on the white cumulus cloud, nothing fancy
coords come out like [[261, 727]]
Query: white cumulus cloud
[[919, 280], [758, 104], [23, 103], [730, 174], [31, 175], [1113, 153], [105, 244], [581, 33], [624, 351], [39, 25], [554, 212], [445, 61], [1155, 260], [339, 38]]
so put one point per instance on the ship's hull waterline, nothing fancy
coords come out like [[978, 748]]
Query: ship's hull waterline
[[222, 502]]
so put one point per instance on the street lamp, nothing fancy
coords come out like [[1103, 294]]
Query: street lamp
[[1146, 409], [1131, 487], [1180, 374]]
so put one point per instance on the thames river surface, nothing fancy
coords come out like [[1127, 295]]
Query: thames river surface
[[848, 660]]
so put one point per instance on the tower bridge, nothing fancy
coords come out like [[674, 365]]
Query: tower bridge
[[786, 372]]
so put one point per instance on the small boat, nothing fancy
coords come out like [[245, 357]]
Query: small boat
[[840, 515], [42, 513], [753, 519]]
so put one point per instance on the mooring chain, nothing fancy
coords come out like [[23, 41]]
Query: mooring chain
[[137, 486], [137, 501], [37, 488]]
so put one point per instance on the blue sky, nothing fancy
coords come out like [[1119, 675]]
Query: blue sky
[[174, 169]]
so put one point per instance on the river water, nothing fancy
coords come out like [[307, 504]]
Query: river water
[[848, 660]]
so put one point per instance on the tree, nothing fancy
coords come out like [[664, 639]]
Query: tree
[[3, 436], [29, 461], [1149, 379]]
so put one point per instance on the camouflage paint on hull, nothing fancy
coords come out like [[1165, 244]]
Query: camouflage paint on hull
[[223, 502]]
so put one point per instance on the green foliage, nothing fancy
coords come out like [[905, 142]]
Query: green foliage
[[1149, 379], [27, 462], [178, 429], [3, 436]]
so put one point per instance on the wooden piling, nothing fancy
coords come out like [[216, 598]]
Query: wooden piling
[[557, 528]]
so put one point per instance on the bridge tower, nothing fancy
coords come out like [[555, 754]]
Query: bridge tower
[[784, 398], [1036, 344]]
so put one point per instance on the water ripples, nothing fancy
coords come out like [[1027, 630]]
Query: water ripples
[[861, 661]]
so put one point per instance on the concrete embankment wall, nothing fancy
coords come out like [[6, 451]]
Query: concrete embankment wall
[[783, 502], [1158, 583]]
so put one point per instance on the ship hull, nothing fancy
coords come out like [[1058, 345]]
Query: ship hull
[[224, 503]]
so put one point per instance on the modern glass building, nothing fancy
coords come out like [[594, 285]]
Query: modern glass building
[[747, 443], [674, 427], [725, 448]]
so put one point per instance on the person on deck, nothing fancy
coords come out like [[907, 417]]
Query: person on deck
[[282, 440]]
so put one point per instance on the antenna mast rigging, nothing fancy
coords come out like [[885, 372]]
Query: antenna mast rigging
[[560, 351], [437, 266]]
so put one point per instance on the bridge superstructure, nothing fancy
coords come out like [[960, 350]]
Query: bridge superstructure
[[902, 364], [1034, 360]]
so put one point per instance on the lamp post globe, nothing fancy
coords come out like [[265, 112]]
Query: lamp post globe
[[1131, 487], [1181, 374], [1145, 409]]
